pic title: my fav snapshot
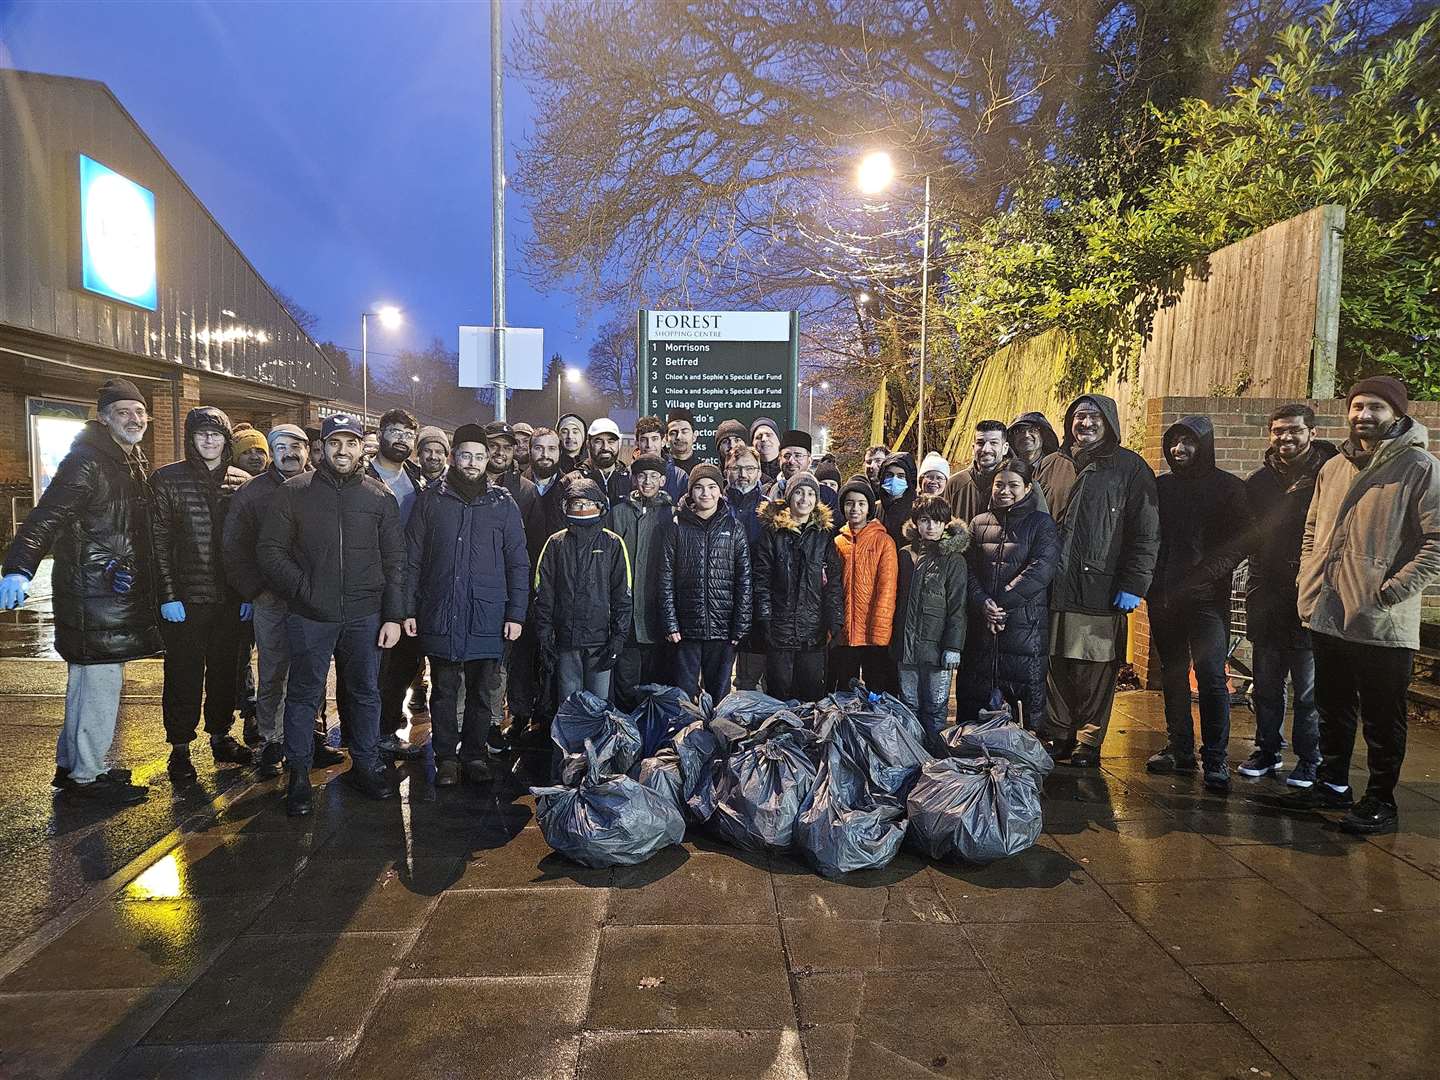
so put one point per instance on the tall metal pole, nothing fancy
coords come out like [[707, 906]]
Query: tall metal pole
[[559, 378], [924, 324], [810, 422], [497, 204], [364, 371]]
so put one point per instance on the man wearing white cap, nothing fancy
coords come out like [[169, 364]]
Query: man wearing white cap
[[603, 442]]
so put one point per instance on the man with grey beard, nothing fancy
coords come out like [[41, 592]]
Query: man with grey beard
[[95, 518]]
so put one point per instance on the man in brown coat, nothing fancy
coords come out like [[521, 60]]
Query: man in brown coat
[[1371, 545]]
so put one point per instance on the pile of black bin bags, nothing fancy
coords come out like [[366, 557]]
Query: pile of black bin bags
[[842, 782]]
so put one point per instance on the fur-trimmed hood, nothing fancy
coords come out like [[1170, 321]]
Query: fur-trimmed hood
[[954, 541], [776, 515]]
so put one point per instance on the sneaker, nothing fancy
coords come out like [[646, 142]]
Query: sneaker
[[1085, 756], [1260, 763], [1217, 777], [495, 742], [179, 767], [447, 773], [1170, 760], [478, 772], [297, 794], [1370, 816], [1318, 796], [419, 702], [228, 751], [1303, 775], [373, 785], [271, 758], [396, 747], [325, 756], [106, 790]]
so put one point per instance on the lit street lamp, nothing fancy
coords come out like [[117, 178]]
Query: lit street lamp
[[876, 173], [572, 376], [414, 388], [824, 385], [389, 316]]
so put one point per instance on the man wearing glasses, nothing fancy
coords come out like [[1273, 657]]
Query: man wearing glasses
[[746, 496]]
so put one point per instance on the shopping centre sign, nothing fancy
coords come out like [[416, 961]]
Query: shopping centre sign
[[117, 236]]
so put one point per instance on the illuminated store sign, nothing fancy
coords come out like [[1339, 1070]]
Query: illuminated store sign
[[117, 235]]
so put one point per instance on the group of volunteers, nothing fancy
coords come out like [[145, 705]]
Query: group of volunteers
[[518, 565]]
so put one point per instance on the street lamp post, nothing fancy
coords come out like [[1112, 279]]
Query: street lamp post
[[824, 385], [389, 316], [414, 389], [875, 174]]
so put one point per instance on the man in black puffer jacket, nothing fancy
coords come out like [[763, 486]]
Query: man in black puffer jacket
[[200, 612], [897, 493], [1203, 521], [332, 547], [94, 517], [705, 586]]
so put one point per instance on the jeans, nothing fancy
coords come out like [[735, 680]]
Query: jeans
[[447, 736], [1194, 634], [244, 673], [398, 667], [926, 690], [704, 665], [575, 670], [1368, 683], [357, 662], [795, 673], [522, 676], [1272, 664], [92, 705], [200, 658], [749, 670], [871, 664], [272, 651]]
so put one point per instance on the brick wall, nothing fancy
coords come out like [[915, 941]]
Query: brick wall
[[1241, 438], [165, 441]]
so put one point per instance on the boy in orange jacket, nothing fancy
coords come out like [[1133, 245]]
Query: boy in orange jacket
[[871, 570]]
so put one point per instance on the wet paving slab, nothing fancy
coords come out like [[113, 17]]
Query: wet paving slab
[[1155, 930]]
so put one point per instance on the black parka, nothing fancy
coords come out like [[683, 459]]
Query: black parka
[[94, 519], [930, 590], [191, 500], [1279, 499], [705, 591], [583, 584], [332, 547], [799, 578], [895, 512], [1105, 507], [248, 509], [1204, 520], [643, 524], [1012, 560]]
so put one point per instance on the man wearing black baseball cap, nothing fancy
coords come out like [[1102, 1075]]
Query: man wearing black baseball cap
[[332, 546]]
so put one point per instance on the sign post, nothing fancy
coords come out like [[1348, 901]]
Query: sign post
[[719, 365]]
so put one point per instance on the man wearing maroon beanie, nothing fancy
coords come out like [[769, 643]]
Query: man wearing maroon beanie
[[1371, 545]]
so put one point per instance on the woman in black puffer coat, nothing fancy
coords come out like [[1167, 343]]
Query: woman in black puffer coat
[[1014, 550]]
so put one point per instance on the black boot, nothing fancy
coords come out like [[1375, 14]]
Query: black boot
[[373, 785], [179, 767], [297, 794], [325, 755]]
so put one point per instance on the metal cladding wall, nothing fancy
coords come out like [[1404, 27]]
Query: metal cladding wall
[[46, 123]]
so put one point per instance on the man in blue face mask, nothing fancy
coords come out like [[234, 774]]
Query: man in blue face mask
[[897, 493]]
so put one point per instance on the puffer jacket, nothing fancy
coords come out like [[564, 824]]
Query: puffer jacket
[[95, 519], [895, 512], [1104, 504], [248, 508], [870, 563], [1012, 560], [705, 589], [191, 500], [931, 586], [1279, 500], [799, 580], [1204, 520], [643, 524], [332, 547], [1372, 541], [583, 584], [466, 570], [746, 506]]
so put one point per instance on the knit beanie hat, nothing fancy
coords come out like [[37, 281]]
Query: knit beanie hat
[[860, 485], [731, 429], [935, 463], [763, 421], [705, 472], [432, 434], [113, 390], [648, 463], [249, 439], [827, 470], [1386, 387], [799, 480]]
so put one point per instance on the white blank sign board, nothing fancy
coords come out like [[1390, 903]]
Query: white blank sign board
[[524, 357]]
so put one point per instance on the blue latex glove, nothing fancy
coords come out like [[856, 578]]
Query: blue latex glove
[[174, 611], [13, 590], [1125, 601], [950, 659], [247, 611], [121, 579]]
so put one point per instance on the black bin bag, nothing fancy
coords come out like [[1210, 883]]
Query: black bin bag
[[661, 772], [974, 810], [582, 717], [760, 790], [608, 819], [663, 711], [995, 732]]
